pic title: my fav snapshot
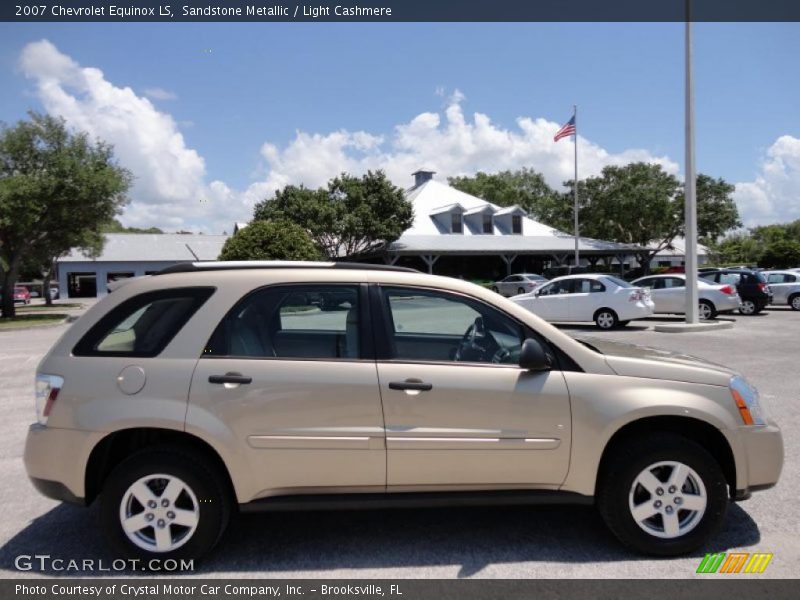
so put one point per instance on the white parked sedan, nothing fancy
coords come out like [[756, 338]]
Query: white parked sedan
[[669, 295], [604, 299], [519, 283]]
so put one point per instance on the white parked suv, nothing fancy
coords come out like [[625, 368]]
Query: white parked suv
[[607, 300]]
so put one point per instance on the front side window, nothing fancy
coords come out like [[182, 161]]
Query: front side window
[[425, 325], [296, 321], [142, 326], [556, 288]]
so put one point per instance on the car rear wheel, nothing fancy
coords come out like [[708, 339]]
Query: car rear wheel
[[794, 302], [605, 318], [748, 307], [706, 310], [662, 495], [164, 503], [520, 290], [495, 290]]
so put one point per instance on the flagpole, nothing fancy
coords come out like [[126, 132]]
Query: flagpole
[[575, 187]]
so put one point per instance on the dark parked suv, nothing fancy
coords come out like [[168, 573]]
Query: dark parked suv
[[751, 286]]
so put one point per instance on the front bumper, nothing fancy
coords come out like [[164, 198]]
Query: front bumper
[[763, 454], [55, 460]]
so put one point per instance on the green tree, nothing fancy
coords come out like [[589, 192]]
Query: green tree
[[739, 248], [114, 226], [781, 254], [352, 216], [525, 188], [56, 188], [716, 209], [270, 240]]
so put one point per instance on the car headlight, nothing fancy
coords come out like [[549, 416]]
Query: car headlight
[[746, 398]]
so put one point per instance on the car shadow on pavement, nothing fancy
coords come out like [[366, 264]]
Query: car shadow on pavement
[[273, 543]]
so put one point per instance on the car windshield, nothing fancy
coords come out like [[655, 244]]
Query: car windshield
[[617, 281]]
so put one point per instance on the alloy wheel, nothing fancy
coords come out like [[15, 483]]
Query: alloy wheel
[[667, 499], [705, 311], [605, 320], [159, 513], [748, 307], [796, 303]]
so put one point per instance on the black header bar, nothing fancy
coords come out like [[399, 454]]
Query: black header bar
[[396, 10]]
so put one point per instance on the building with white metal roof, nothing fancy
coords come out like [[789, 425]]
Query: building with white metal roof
[[132, 255]]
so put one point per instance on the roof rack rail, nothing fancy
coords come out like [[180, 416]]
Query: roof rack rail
[[193, 267]]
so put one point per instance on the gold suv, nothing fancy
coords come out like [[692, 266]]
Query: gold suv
[[215, 387]]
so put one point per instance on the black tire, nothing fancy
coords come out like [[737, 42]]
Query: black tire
[[606, 319], [520, 290], [621, 469], [794, 301], [495, 290], [749, 308], [204, 479], [711, 308]]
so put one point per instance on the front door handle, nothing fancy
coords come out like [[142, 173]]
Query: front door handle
[[229, 378], [417, 386]]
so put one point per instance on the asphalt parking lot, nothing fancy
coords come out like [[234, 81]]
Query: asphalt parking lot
[[540, 542]]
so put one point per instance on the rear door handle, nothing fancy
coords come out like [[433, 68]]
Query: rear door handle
[[229, 378], [418, 386]]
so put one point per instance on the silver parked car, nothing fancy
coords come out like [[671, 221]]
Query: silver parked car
[[668, 291], [785, 286], [211, 388], [519, 283]]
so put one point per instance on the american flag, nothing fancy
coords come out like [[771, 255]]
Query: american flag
[[566, 130]]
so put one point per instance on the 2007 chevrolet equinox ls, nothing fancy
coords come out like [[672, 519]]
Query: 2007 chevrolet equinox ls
[[214, 387]]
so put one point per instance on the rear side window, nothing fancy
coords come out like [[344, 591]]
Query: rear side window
[[142, 326], [305, 321]]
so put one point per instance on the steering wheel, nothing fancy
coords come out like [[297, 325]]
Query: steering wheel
[[468, 349]]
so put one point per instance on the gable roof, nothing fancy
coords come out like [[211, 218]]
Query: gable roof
[[154, 247]]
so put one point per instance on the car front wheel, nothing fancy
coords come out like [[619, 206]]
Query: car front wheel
[[164, 503], [663, 495]]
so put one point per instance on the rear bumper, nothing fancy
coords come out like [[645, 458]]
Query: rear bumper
[[55, 460], [637, 310], [727, 303]]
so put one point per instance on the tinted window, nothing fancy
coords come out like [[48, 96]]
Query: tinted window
[[142, 325], [557, 288], [729, 278], [649, 282], [456, 225], [586, 286], [487, 224], [304, 321], [516, 224], [673, 282], [437, 326]]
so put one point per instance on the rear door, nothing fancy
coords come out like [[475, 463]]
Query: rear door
[[460, 413], [587, 296], [290, 374]]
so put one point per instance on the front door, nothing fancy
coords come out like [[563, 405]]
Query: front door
[[291, 374], [551, 301], [459, 412]]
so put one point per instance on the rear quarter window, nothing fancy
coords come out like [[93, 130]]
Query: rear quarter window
[[142, 326]]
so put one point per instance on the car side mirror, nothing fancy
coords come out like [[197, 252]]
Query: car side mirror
[[532, 356]]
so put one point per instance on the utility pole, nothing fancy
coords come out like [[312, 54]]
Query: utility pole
[[575, 189], [690, 239]]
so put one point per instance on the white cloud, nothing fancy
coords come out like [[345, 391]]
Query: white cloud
[[157, 93], [774, 196], [171, 190], [452, 144]]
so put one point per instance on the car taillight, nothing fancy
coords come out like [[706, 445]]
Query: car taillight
[[637, 295], [763, 287], [726, 289], [47, 389]]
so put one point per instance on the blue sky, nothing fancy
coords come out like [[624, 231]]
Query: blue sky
[[227, 90]]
